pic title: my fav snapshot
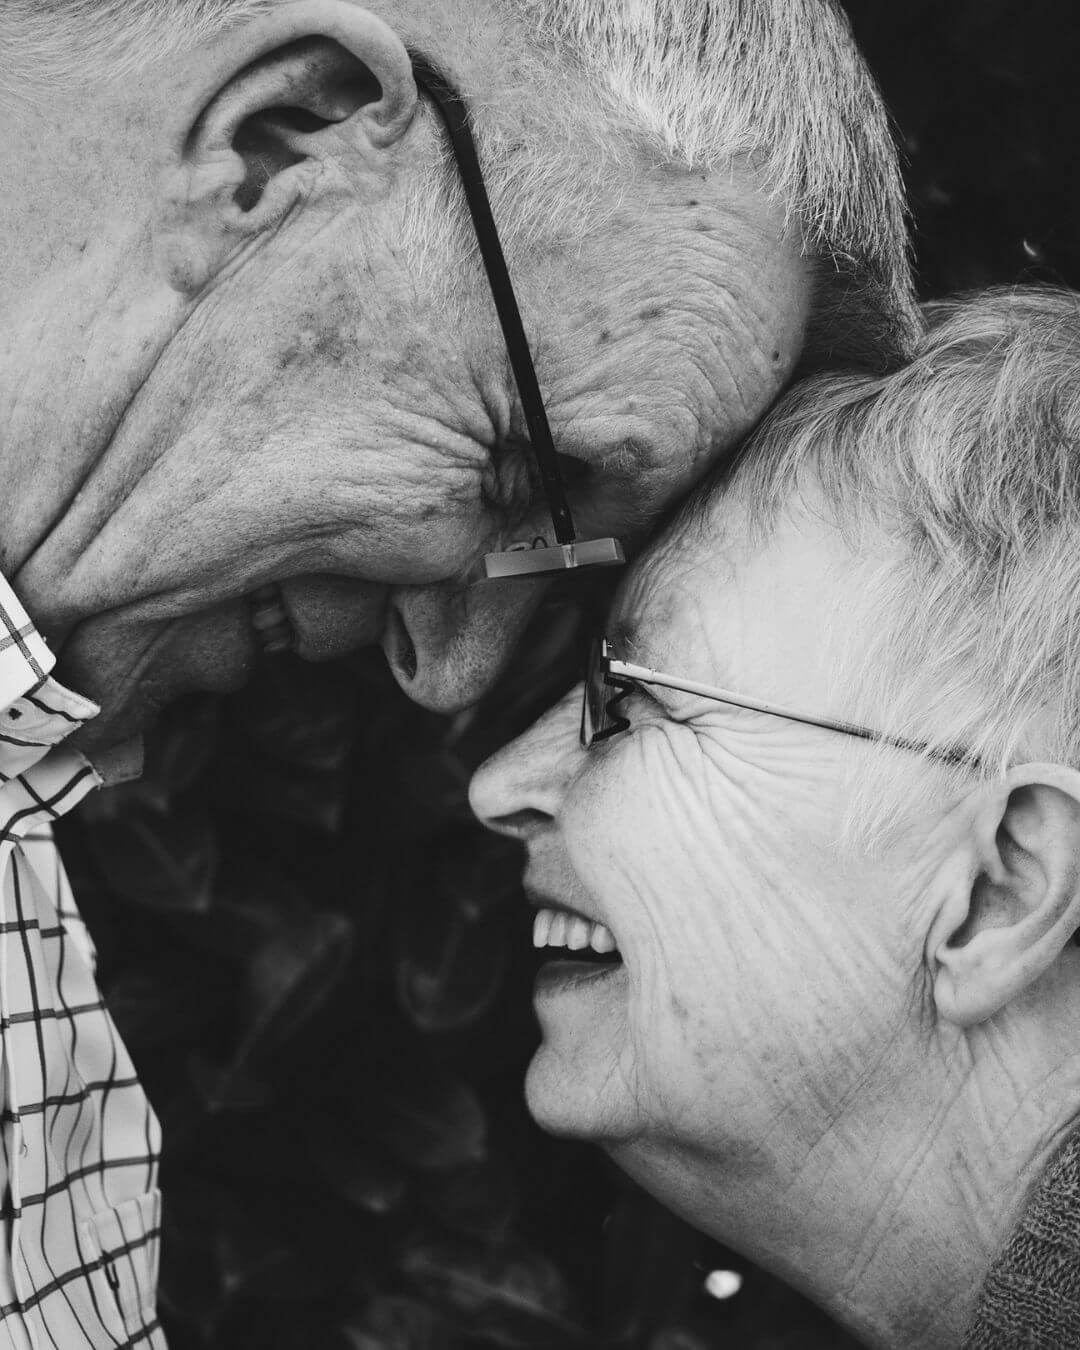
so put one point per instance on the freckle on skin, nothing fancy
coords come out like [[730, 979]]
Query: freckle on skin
[[605, 336], [650, 312], [331, 345], [679, 1008], [776, 356]]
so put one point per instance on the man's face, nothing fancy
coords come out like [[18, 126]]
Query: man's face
[[771, 980], [332, 420]]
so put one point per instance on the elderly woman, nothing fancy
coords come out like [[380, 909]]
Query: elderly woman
[[808, 858]]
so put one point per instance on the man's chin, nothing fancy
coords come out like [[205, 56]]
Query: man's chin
[[134, 670]]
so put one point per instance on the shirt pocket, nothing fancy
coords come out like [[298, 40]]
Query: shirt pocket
[[127, 1241]]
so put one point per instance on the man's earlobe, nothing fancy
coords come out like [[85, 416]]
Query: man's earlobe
[[1011, 912], [308, 81]]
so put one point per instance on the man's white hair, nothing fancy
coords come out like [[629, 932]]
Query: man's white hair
[[780, 85], [956, 481], [777, 85], [64, 39]]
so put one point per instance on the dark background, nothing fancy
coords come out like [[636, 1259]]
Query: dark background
[[322, 966]]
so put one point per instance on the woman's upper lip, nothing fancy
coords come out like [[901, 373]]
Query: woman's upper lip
[[540, 900]]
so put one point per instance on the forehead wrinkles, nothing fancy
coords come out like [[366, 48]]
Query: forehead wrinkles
[[667, 602]]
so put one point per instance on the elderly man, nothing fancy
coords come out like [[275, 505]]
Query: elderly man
[[823, 830], [256, 394]]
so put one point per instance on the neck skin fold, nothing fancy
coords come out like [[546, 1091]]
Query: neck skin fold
[[890, 1219]]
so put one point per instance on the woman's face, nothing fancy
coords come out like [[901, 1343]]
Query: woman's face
[[765, 971]]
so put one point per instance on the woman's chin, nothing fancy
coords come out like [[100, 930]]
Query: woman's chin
[[576, 1085]]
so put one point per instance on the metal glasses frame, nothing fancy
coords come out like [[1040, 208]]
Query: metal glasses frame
[[606, 671], [570, 551]]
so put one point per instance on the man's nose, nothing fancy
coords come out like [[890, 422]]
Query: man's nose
[[519, 791], [447, 644]]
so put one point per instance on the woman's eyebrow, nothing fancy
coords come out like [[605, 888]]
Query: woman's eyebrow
[[622, 633]]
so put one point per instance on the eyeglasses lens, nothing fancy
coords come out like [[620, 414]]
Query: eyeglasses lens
[[597, 719]]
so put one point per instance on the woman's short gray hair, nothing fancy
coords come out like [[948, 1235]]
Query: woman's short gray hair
[[957, 481]]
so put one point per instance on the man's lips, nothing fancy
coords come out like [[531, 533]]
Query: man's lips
[[323, 617], [270, 620]]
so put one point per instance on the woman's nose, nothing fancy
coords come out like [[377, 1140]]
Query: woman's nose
[[520, 789]]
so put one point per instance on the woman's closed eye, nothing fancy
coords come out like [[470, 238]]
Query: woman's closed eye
[[646, 701], [672, 705]]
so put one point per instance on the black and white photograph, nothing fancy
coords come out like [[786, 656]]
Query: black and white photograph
[[540, 675]]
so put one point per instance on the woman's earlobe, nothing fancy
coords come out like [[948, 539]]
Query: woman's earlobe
[[317, 80], [1014, 916]]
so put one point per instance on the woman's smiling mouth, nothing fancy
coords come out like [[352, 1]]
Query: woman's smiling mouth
[[560, 928], [588, 949]]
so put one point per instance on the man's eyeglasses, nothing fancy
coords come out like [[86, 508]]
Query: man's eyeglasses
[[609, 680], [569, 551]]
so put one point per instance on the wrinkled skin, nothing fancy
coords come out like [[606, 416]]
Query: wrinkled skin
[[783, 1055], [668, 834], [201, 398]]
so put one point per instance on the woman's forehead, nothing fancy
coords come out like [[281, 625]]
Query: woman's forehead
[[689, 565], [723, 607]]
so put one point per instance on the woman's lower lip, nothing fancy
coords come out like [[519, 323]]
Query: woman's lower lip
[[557, 975]]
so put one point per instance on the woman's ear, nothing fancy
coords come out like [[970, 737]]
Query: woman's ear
[[311, 80], [1012, 909]]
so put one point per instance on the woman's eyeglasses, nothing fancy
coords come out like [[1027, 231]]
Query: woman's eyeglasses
[[609, 681], [569, 552]]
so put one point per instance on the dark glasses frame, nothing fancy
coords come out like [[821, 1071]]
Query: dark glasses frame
[[570, 551], [605, 671]]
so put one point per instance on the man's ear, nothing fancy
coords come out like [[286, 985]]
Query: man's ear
[[308, 81], [1013, 905]]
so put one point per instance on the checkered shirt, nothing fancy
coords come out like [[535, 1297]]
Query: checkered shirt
[[78, 1170]]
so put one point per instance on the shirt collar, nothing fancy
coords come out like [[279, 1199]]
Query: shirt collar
[[36, 712]]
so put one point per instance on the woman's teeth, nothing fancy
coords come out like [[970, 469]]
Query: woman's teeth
[[553, 928], [270, 621]]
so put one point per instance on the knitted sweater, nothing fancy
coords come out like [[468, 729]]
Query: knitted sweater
[[1030, 1299]]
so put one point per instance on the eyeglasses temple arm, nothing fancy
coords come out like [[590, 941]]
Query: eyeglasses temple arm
[[649, 676], [452, 110]]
